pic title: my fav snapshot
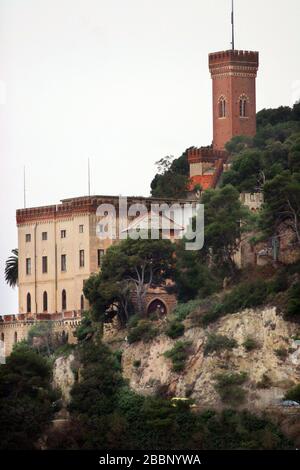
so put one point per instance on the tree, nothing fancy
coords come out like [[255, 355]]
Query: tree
[[282, 204], [193, 277], [172, 178], [40, 337], [26, 398], [132, 265], [225, 220], [11, 269]]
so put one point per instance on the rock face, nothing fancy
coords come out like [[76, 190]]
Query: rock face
[[264, 325], [63, 376]]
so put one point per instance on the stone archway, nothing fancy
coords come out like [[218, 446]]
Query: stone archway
[[157, 306]]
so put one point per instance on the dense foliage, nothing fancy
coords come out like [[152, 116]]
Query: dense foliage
[[107, 414], [132, 265], [201, 272], [27, 400], [172, 178]]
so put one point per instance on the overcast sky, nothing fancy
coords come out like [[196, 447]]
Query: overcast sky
[[124, 82]]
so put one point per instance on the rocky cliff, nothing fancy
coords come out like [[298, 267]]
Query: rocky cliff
[[272, 366]]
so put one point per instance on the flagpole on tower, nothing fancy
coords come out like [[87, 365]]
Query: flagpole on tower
[[232, 24], [24, 186], [89, 178]]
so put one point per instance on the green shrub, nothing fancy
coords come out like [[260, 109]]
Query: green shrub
[[219, 343], [293, 393], [175, 329], [178, 355], [246, 295], [282, 353], [293, 301], [133, 321], [182, 310], [250, 344], [229, 387], [265, 382], [144, 331], [279, 283]]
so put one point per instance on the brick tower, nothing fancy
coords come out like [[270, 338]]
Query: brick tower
[[233, 76]]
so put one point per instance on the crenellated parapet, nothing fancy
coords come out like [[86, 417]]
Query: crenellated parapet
[[233, 60], [206, 154]]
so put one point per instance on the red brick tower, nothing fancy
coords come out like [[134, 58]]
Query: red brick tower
[[234, 113], [233, 75]]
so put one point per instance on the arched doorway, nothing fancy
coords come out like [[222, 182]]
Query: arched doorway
[[157, 306]]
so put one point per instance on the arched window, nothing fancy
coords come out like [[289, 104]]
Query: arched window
[[81, 302], [64, 300], [45, 301], [243, 106], [16, 337], [28, 303], [222, 107]]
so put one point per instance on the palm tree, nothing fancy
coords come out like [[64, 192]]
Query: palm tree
[[11, 268]]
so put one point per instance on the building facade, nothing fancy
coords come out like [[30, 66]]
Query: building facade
[[59, 249]]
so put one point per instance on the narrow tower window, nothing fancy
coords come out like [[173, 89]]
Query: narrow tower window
[[81, 258], [28, 302], [45, 301], [243, 106], [81, 302], [64, 300], [222, 107]]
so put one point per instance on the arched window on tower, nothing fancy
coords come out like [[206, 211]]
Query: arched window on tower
[[222, 107], [243, 106], [45, 301], [64, 300], [28, 303]]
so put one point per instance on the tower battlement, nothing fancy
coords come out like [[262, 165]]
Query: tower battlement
[[233, 57], [206, 154]]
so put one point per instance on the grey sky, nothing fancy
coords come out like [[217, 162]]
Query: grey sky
[[124, 82]]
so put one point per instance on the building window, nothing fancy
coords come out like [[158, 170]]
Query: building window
[[243, 107], [44, 264], [44, 235], [81, 258], [28, 266], [45, 301], [16, 337], [63, 234], [81, 302], [2, 337], [28, 237], [28, 303], [63, 262], [63, 300], [222, 107], [100, 257], [80, 228]]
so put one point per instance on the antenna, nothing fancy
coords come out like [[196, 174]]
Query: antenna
[[24, 186], [232, 24], [89, 178]]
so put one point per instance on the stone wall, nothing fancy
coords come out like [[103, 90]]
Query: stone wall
[[14, 331]]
